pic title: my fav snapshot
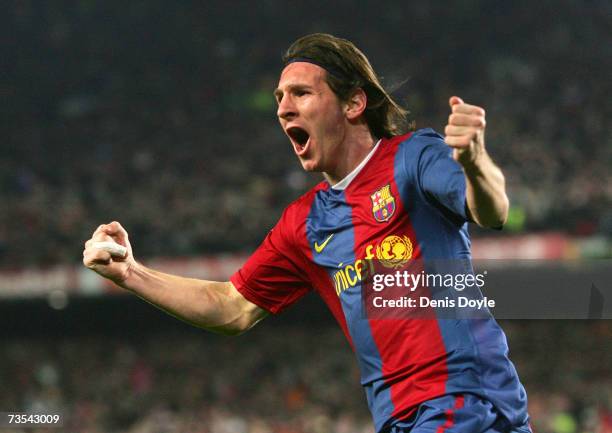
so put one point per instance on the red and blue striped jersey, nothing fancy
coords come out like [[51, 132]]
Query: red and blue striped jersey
[[410, 189]]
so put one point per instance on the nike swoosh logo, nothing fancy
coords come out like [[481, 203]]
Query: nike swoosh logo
[[319, 248]]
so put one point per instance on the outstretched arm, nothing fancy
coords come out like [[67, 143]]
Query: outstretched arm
[[486, 197], [215, 306]]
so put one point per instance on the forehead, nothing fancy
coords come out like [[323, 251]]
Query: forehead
[[303, 73]]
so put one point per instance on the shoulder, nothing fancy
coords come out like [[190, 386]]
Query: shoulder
[[418, 148], [298, 210], [420, 139]]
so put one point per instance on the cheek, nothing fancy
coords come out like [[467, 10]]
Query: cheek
[[336, 130], [333, 122]]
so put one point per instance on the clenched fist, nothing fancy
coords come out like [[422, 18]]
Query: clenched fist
[[465, 131], [109, 266]]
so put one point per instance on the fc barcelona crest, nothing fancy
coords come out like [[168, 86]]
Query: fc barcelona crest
[[383, 204]]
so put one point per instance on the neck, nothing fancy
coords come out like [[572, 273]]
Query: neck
[[356, 149]]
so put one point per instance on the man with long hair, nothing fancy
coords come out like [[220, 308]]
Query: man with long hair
[[389, 193]]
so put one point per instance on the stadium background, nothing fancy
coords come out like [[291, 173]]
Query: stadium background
[[160, 115]]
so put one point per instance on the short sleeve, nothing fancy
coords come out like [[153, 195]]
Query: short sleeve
[[440, 177], [272, 277]]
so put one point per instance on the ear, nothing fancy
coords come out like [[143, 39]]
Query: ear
[[356, 104]]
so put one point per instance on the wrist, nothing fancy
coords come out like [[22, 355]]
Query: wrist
[[475, 166], [132, 273]]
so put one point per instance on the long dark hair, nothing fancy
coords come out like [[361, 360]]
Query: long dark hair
[[347, 70]]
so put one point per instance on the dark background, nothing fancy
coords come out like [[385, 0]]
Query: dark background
[[160, 115]]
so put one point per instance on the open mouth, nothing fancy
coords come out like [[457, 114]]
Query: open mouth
[[299, 137]]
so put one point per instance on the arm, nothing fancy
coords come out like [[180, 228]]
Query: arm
[[214, 306], [486, 197]]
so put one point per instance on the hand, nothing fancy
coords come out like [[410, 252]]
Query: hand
[[114, 268], [465, 131]]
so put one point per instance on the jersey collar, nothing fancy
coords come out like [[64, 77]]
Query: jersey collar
[[344, 183]]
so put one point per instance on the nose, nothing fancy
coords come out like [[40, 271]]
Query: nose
[[286, 109]]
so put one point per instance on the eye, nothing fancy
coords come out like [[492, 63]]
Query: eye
[[278, 96], [300, 93]]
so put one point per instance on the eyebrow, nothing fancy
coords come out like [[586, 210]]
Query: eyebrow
[[291, 87]]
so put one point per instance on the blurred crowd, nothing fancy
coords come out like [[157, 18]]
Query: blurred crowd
[[287, 380], [160, 115]]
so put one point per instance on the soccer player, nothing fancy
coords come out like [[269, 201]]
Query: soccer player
[[388, 193]]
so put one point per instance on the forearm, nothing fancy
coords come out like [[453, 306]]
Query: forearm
[[211, 305], [487, 202], [486, 192]]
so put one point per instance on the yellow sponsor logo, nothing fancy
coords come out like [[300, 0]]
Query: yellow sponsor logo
[[350, 275], [318, 248], [393, 252]]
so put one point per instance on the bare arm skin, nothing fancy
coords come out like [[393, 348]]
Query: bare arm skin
[[214, 306], [486, 197]]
